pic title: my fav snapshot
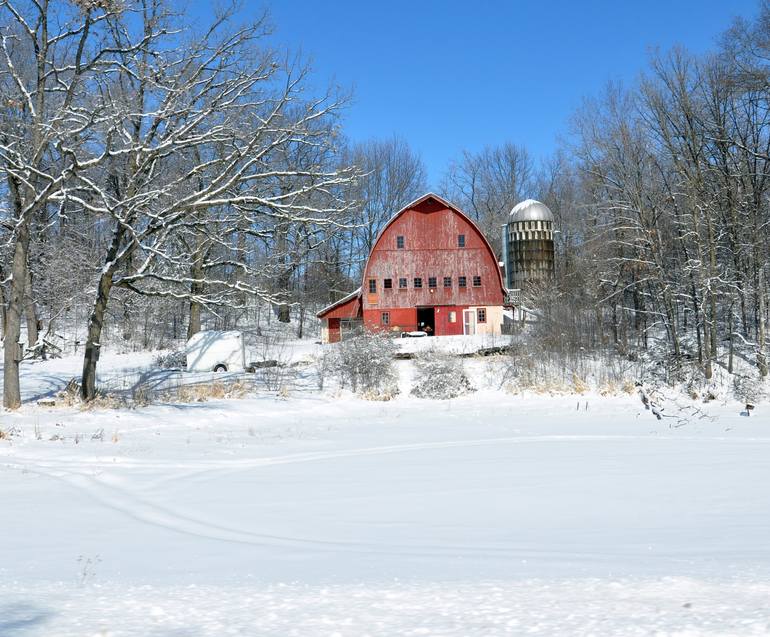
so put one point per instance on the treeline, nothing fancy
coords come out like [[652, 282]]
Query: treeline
[[669, 189], [144, 158], [662, 201], [158, 176]]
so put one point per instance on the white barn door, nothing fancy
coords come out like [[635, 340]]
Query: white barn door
[[469, 322]]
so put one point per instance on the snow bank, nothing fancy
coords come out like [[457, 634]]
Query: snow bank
[[613, 607]]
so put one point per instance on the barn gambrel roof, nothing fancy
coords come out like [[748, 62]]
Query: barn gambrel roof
[[420, 200]]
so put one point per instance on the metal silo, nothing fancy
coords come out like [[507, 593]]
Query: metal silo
[[528, 255]]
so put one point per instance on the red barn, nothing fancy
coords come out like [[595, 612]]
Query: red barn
[[430, 269]]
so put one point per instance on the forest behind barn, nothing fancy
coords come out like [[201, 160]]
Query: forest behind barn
[[158, 178], [264, 375]]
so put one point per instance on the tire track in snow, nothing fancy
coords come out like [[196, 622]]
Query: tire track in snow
[[105, 491], [141, 510], [236, 464]]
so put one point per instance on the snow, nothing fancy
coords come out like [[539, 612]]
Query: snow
[[451, 344], [323, 514]]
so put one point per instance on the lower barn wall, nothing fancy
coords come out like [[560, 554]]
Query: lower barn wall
[[444, 324], [330, 331], [494, 324], [402, 319], [405, 319]]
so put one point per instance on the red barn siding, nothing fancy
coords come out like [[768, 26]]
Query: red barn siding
[[347, 310], [443, 326], [430, 228], [402, 319], [333, 325]]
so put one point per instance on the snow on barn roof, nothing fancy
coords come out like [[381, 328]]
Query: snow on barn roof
[[339, 302], [531, 210]]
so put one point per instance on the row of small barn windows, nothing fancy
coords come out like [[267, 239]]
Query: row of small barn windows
[[387, 284], [400, 243], [481, 316]]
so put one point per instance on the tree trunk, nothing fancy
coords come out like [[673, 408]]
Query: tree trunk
[[761, 360], [706, 342], [284, 313], [196, 288], [93, 340], [30, 311], [713, 277], [2, 310], [96, 320], [194, 326], [11, 387], [301, 326], [284, 277], [730, 328]]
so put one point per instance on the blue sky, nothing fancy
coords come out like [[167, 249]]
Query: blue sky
[[454, 75]]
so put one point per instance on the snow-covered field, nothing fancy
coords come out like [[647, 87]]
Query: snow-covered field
[[322, 514]]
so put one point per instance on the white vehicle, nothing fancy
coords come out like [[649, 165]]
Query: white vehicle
[[213, 351]]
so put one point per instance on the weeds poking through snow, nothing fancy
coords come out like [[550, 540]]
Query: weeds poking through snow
[[206, 391], [87, 573], [7, 434]]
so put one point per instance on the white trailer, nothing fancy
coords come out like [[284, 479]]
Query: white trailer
[[213, 351]]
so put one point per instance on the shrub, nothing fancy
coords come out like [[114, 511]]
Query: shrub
[[748, 388], [365, 364], [202, 392], [174, 359], [440, 376]]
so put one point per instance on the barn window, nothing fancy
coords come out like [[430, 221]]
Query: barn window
[[447, 281], [462, 281], [431, 281], [385, 318], [417, 282], [402, 284], [460, 240], [372, 286], [477, 282], [387, 284], [481, 315], [453, 317], [400, 242]]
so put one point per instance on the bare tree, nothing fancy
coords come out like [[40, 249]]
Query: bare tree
[[393, 175], [194, 136], [489, 183], [48, 53]]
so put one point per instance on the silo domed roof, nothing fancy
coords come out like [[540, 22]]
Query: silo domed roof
[[531, 210]]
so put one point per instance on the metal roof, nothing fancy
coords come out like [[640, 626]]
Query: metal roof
[[342, 301], [531, 210]]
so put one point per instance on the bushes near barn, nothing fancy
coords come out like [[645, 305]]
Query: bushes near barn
[[364, 363], [440, 376]]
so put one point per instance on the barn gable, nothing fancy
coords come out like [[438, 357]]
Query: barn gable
[[430, 269], [347, 307], [430, 255]]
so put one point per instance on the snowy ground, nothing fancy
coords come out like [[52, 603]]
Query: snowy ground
[[320, 514]]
